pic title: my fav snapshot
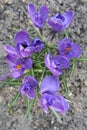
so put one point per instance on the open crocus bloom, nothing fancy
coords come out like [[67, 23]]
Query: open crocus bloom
[[18, 66], [55, 102], [38, 17], [22, 42], [37, 44], [49, 84], [59, 22], [69, 49], [49, 98], [28, 87], [56, 64]]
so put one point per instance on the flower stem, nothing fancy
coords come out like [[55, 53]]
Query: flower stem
[[29, 107], [57, 116]]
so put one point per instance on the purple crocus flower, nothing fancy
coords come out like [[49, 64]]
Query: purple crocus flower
[[49, 84], [69, 49], [55, 102], [49, 98], [38, 17], [59, 22], [18, 66], [22, 42], [56, 64], [37, 44], [28, 86]]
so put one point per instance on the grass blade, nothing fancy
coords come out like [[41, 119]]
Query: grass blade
[[73, 66], [57, 116], [82, 59], [29, 107], [65, 83], [12, 103]]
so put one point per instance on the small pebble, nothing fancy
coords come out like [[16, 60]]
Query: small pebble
[[85, 82]]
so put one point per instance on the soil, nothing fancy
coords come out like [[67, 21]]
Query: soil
[[13, 17]]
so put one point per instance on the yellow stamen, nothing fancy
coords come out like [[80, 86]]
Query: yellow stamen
[[18, 67], [67, 49]]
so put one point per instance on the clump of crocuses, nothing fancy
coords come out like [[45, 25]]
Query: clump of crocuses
[[33, 61]]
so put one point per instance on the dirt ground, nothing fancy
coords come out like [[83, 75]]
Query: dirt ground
[[13, 17]]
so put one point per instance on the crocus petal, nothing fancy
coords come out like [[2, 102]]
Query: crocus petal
[[62, 44], [56, 72], [47, 60], [49, 84], [69, 15], [55, 102], [28, 91], [43, 103], [31, 10], [55, 24], [11, 51], [17, 73], [25, 88], [27, 63], [52, 66], [25, 52], [28, 87], [11, 60], [37, 44], [44, 12], [59, 104], [32, 93], [64, 62], [21, 37], [31, 80], [76, 50], [38, 20]]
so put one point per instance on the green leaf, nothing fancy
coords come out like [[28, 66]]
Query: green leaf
[[31, 37], [57, 116], [12, 103], [66, 33], [29, 107], [60, 36], [39, 34], [33, 72], [11, 42], [72, 69], [10, 82], [82, 59], [44, 69], [41, 53], [63, 76]]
